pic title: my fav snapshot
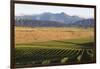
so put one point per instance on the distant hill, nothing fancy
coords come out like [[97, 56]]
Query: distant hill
[[37, 23], [84, 23], [58, 17], [53, 20]]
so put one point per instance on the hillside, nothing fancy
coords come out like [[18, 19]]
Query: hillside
[[37, 23], [53, 20]]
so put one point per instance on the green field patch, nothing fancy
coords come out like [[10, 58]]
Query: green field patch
[[71, 43], [51, 52]]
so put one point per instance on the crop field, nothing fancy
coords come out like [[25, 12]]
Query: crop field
[[35, 46], [30, 35]]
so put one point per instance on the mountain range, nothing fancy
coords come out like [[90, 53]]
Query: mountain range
[[53, 20]]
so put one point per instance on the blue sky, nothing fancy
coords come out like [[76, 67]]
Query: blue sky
[[26, 9]]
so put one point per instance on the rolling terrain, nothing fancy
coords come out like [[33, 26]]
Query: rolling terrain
[[53, 45], [50, 38]]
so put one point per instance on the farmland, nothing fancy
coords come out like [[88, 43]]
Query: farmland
[[53, 45], [48, 34]]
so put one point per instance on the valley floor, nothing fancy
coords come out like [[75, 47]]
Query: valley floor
[[35, 46]]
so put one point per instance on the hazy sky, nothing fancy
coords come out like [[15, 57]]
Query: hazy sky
[[26, 9]]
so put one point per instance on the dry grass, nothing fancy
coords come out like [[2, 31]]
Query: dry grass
[[29, 35]]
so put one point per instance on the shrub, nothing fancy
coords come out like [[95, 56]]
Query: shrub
[[46, 62], [79, 58], [64, 60], [33, 62]]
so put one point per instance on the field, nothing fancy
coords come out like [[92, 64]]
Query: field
[[48, 34], [53, 45]]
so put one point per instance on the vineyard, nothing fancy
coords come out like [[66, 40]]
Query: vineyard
[[47, 56], [52, 52]]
